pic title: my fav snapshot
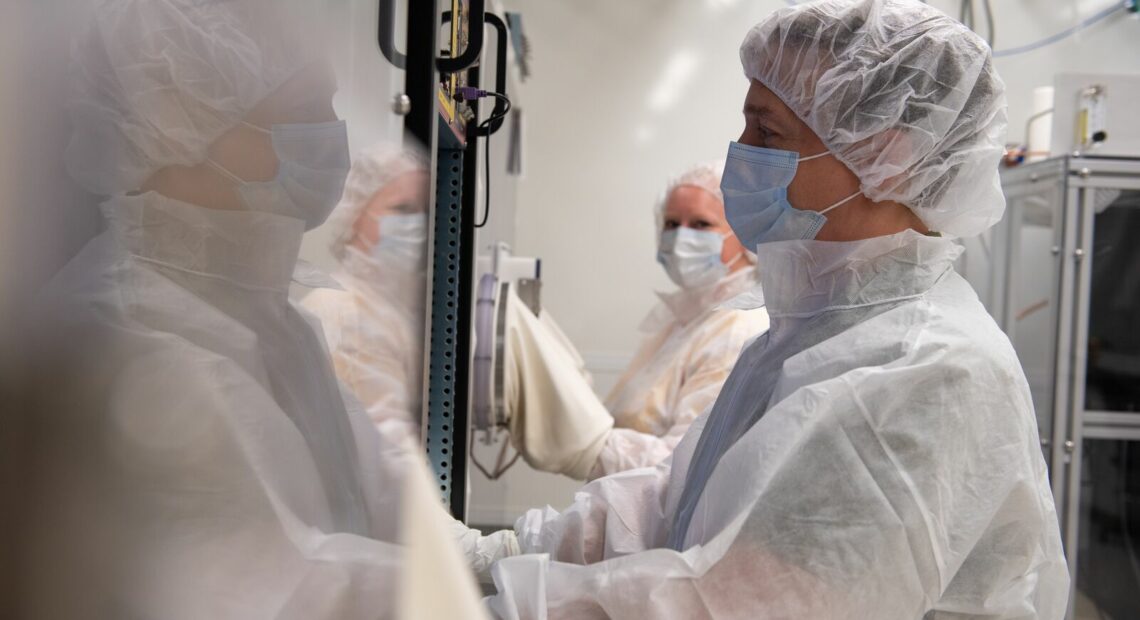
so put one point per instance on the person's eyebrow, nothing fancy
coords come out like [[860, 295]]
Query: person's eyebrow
[[751, 109]]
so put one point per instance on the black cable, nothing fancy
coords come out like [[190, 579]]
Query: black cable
[[487, 155], [486, 180]]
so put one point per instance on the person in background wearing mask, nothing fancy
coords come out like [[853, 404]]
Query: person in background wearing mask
[[875, 454], [201, 462], [374, 328], [691, 341]]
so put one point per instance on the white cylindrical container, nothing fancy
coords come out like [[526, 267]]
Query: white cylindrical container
[[1039, 131]]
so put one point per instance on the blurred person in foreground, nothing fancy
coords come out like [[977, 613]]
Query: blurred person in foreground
[[194, 457]]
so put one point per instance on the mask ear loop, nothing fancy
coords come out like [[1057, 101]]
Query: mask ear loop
[[841, 202], [739, 255], [222, 169], [256, 128], [811, 157]]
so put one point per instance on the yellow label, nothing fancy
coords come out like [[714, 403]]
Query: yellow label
[[1083, 127], [447, 104]]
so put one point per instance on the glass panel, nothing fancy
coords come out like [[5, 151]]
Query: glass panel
[[369, 82], [1034, 282], [1113, 374], [1108, 562], [374, 244]]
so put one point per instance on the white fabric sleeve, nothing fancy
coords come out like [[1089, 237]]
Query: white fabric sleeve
[[627, 449], [557, 422], [615, 515], [707, 362]]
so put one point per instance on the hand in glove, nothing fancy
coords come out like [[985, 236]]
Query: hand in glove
[[483, 551]]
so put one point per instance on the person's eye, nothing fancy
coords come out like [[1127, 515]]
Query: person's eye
[[767, 135], [671, 224], [701, 225]]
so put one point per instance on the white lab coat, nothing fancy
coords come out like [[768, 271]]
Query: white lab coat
[[875, 455], [691, 345], [245, 490]]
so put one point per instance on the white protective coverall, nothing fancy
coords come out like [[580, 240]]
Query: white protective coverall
[[198, 432], [690, 346], [875, 454], [876, 457], [255, 493]]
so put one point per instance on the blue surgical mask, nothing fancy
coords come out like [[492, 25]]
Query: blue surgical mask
[[313, 163], [755, 187]]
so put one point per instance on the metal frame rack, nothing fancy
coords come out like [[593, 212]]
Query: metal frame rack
[[442, 124], [1057, 195]]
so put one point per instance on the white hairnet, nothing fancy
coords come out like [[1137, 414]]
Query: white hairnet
[[372, 169], [902, 94], [157, 81], [704, 176]]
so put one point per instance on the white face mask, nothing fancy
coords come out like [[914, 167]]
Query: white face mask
[[403, 242], [691, 258]]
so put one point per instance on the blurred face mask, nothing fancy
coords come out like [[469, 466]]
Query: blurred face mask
[[313, 163], [403, 242], [691, 258], [755, 187]]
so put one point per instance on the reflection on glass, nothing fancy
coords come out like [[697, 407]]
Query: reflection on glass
[[194, 455], [374, 327], [1108, 557], [1034, 299], [1113, 376]]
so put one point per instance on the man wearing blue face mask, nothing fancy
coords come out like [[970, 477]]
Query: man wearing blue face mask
[[875, 454]]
